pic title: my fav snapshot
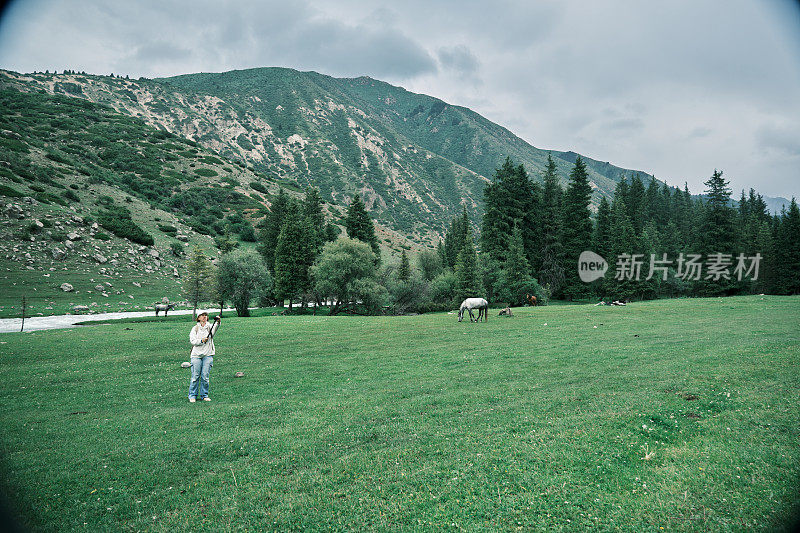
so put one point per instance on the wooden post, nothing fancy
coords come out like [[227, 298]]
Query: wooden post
[[23, 314]]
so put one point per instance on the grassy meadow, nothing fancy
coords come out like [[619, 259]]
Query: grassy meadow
[[675, 415]]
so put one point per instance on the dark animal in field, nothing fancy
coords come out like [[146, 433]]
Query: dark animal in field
[[531, 300], [474, 303], [164, 307], [506, 312]]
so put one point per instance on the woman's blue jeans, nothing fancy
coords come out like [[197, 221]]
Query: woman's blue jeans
[[200, 371]]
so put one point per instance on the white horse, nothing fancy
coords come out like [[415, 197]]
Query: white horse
[[474, 303]]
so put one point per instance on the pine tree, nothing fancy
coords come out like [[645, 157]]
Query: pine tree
[[636, 202], [649, 243], [312, 210], [665, 206], [787, 248], [623, 242], [359, 225], [270, 229], [508, 198], [468, 283], [404, 270], [294, 255], [577, 234], [602, 230], [551, 271], [198, 281], [622, 190], [456, 237], [717, 233], [515, 281], [440, 251], [652, 202], [765, 245]]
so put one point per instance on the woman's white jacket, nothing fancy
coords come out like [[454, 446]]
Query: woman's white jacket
[[196, 336]]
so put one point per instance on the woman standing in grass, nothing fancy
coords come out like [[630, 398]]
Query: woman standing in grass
[[202, 356]]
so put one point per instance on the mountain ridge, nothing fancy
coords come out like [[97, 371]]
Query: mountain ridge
[[413, 157]]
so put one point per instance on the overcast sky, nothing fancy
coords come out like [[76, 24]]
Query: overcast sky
[[674, 88]]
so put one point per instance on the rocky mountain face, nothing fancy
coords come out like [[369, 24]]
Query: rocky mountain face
[[413, 158]]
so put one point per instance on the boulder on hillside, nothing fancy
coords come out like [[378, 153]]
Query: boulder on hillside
[[58, 254], [100, 258], [66, 287], [73, 236], [13, 211]]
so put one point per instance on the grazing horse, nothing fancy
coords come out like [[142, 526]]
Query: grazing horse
[[531, 299], [164, 307], [474, 303]]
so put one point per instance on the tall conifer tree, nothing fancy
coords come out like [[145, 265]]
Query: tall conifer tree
[[404, 270], [468, 281], [551, 272], [359, 225], [270, 228], [508, 198], [717, 233], [577, 233], [787, 252], [294, 255], [456, 237], [515, 279]]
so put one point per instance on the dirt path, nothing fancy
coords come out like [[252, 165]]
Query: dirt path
[[38, 323]]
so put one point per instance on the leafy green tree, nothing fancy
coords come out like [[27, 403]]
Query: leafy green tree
[[442, 291], [429, 264], [346, 273], [226, 243], [198, 279], [576, 235], [240, 277], [468, 282], [359, 225], [407, 295], [551, 272], [294, 255]]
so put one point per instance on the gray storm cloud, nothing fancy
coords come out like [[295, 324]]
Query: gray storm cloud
[[697, 85]]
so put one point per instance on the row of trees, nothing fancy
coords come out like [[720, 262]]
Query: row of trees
[[298, 258], [552, 226], [530, 240]]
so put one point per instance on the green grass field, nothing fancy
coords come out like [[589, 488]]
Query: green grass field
[[673, 414]]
